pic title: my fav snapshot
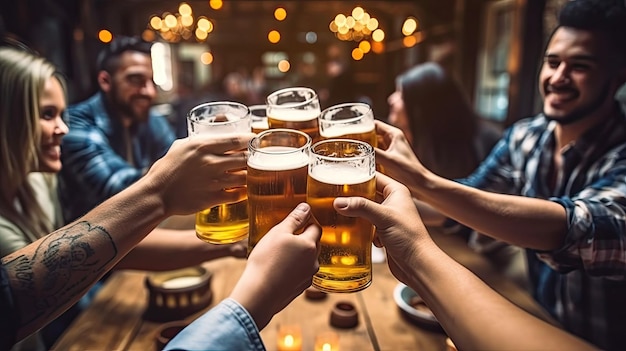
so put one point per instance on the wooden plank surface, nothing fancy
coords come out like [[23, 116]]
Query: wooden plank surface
[[114, 321]]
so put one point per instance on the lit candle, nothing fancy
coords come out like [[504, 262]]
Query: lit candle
[[289, 338], [328, 341]]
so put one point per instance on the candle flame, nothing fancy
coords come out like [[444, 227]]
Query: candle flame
[[289, 340], [327, 347]]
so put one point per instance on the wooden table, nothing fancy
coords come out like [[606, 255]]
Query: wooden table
[[114, 321]]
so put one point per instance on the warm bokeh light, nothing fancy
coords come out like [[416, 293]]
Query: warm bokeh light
[[409, 26], [280, 14], [216, 4], [170, 21], [205, 24], [273, 36], [378, 47], [206, 58], [105, 36], [184, 9], [186, 21], [340, 19], [333, 27], [357, 54], [357, 13], [350, 22], [365, 46], [284, 66], [148, 35], [409, 41], [155, 22], [200, 34], [378, 35], [372, 24]]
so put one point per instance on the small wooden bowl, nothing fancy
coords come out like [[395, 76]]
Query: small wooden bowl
[[344, 315], [174, 295]]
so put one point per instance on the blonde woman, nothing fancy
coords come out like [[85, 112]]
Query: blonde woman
[[32, 104]]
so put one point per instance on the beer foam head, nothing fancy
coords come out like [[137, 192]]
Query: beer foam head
[[340, 174], [278, 158], [292, 115], [337, 130]]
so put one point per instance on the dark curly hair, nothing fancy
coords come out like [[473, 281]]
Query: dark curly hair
[[605, 16], [108, 59]]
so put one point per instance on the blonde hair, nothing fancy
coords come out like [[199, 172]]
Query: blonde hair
[[22, 79]]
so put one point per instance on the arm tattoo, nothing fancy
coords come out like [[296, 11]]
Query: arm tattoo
[[64, 265]]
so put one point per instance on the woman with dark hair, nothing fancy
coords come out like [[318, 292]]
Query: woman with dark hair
[[436, 116]]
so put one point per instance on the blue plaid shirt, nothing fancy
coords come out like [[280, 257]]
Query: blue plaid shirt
[[95, 165], [582, 284]]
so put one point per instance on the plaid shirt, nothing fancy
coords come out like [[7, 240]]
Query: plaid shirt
[[95, 165], [583, 283]]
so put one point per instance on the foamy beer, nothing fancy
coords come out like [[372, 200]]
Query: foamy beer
[[277, 174], [258, 113], [348, 121], [342, 168], [352, 120], [294, 108], [226, 223]]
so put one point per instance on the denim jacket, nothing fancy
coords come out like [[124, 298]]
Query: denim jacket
[[227, 326]]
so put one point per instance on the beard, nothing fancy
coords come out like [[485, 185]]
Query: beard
[[582, 111], [126, 107]]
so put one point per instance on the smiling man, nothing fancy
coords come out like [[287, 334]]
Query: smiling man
[[556, 183], [113, 137]]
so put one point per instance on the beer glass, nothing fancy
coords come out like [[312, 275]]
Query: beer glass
[[276, 180], [353, 120], [294, 108], [258, 113], [348, 121], [225, 223], [342, 168]]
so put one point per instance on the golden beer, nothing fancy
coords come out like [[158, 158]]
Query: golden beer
[[349, 121], [276, 179], [364, 133], [258, 113], [225, 223], [346, 245], [294, 108]]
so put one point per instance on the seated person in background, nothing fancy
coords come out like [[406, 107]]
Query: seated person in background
[[451, 140], [60, 267], [556, 183], [472, 314], [112, 141], [439, 122]]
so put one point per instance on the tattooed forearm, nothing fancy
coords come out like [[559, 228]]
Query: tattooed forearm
[[63, 266]]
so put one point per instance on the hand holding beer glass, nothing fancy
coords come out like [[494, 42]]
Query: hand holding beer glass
[[226, 223], [342, 168], [294, 108], [276, 181]]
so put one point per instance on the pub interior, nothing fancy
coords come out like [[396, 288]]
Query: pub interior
[[216, 57]]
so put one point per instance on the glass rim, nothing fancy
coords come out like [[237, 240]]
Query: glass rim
[[290, 105], [369, 150], [218, 103], [307, 144], [347, 120]]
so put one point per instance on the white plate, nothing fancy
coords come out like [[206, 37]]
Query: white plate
[[402, 294]]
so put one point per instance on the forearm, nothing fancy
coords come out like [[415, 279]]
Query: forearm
[[162, 248], [523, 221], [474, 315], [52, 273]]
